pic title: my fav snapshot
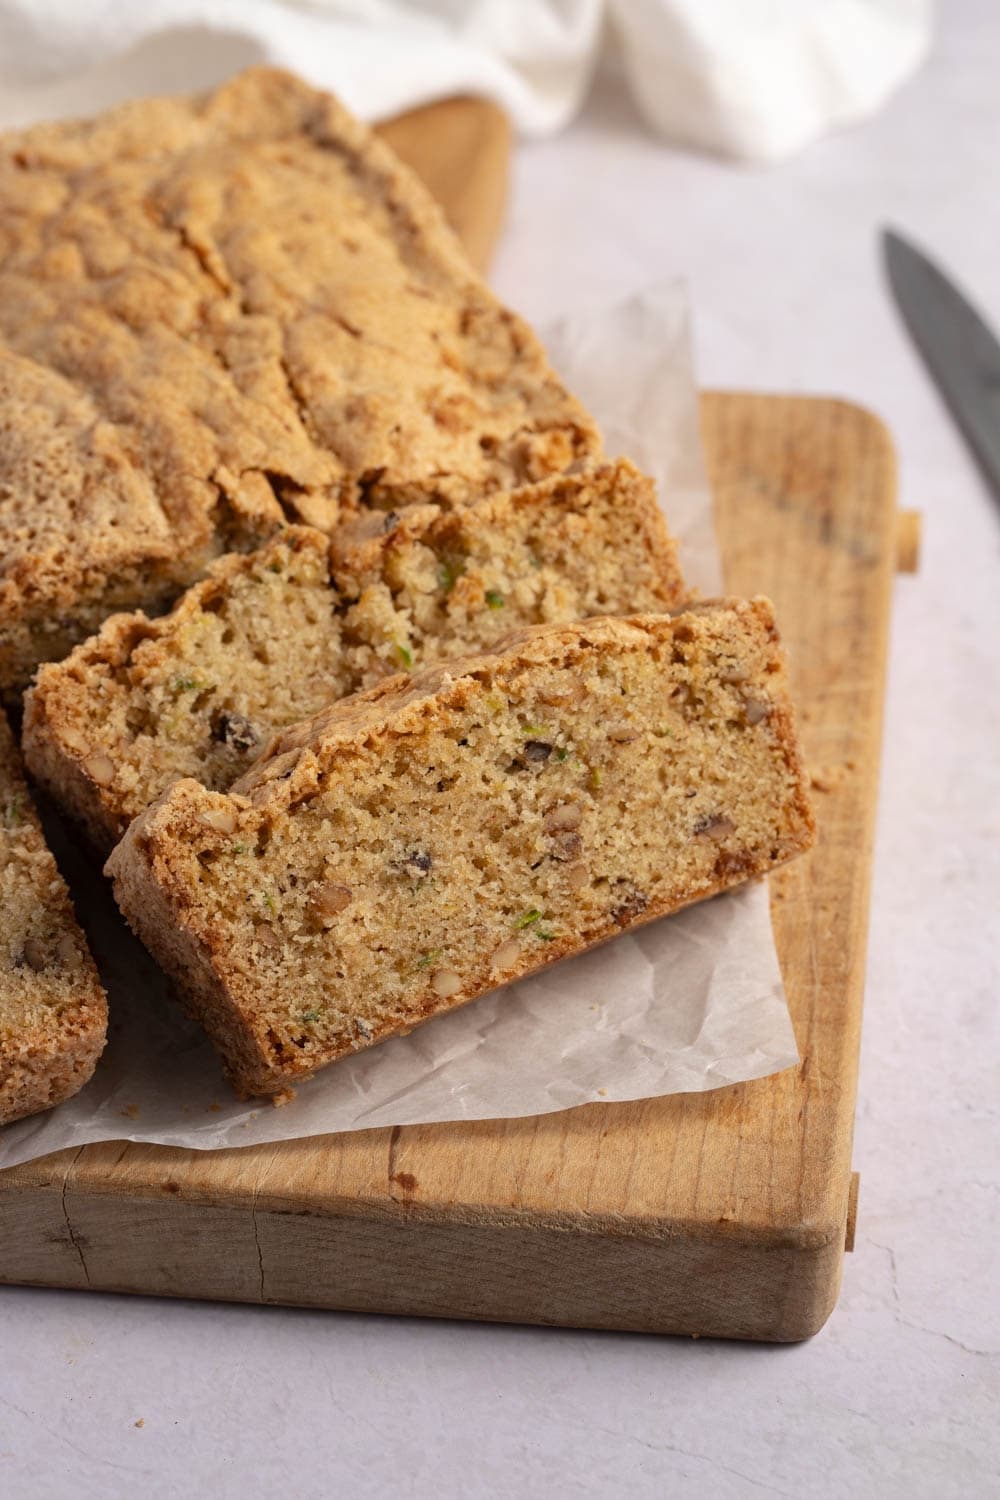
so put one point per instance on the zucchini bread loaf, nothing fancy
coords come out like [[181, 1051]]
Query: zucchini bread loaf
[[222, 313], [271, 637], [53, 1014], [425, 841]]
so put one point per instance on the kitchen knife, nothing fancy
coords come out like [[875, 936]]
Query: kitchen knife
[[960, 351]]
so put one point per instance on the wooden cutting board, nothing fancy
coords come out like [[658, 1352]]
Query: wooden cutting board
[[725, 1213]]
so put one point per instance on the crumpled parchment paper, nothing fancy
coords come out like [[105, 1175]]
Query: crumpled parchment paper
[[688, 1003]]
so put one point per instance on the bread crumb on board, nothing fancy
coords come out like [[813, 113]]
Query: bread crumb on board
[[830, 778]]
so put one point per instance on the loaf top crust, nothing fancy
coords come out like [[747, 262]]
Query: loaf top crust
[[53, 1012], [223, 312]]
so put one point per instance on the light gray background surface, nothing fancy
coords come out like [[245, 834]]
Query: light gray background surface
[[899, 1393]]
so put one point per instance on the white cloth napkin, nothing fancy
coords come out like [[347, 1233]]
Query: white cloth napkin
[[752, 79]]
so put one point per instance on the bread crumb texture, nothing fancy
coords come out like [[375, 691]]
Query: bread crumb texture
[[420, 843], [53, 1012], [272, 637], [220, 314]]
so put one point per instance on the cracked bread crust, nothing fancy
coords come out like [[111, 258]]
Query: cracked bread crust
[[223, 313], [418, 844], [272, 636], [53, 1012]]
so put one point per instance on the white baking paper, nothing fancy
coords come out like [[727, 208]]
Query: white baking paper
[[688, 1003]]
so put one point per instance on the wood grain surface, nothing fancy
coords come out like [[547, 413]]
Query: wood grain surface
[[461, 149], [725, 1213]]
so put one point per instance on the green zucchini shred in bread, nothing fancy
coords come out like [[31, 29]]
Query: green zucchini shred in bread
[[272, 637], [416, 845], [223, 313], [53, 1013]]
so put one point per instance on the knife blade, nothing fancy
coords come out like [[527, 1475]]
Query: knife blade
[[958, 347]]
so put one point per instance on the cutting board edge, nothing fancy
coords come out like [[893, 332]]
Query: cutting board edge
[[489, 1271]]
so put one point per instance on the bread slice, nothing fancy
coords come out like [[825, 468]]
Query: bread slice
[[272, 637], [418, 844], [53, 1012], [222, 313]]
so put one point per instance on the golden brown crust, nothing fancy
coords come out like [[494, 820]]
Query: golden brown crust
[[223, 313], [671, 772], [364, 541], [271, 636], [53, 1011]]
